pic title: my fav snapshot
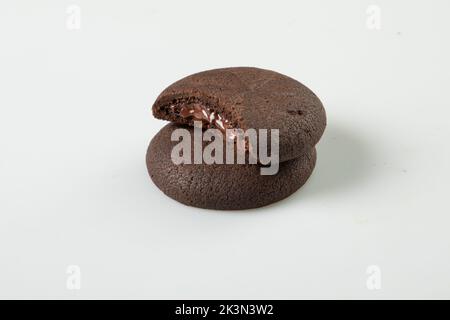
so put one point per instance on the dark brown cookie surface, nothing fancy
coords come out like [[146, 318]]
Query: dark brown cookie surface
[[222, 186], [246, 98]]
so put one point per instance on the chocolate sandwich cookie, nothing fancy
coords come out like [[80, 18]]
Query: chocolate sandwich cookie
[[247, 98], [222, 186]]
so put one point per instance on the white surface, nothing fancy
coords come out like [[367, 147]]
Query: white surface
[[75, 122]]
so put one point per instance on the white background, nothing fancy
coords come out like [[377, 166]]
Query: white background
[[75, 122]]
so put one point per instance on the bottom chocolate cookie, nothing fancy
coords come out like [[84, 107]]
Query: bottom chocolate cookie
[[222, 186]]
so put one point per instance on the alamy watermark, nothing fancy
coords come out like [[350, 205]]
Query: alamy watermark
[[249, 146], [373, 20], [73, 19], [373, 281], [73, 281]]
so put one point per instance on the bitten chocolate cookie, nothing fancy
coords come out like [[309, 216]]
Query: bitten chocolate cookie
[[247, 98], [222, 186]]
